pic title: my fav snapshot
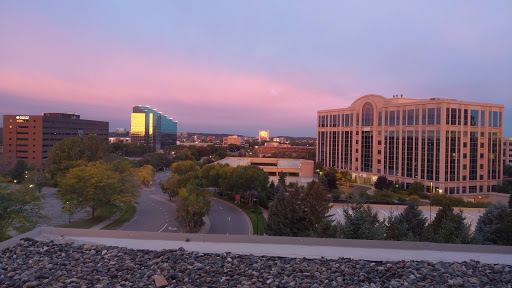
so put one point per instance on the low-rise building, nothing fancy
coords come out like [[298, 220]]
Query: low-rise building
[[233, 140], [296, 170]]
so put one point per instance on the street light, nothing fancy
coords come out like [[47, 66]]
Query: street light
[[430, 201]]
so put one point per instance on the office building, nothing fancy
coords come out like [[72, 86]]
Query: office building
[[507, 151], [449, 145], [296, 170], [284, 149], [152, 128], [233, 140], [263, 135], [30, 137]]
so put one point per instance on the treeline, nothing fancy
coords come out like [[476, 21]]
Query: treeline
[[304, 212]]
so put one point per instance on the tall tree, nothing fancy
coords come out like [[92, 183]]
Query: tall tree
[[286, 216], [415, 221], [316, 207], [145, 174], [37, 177], [248, 181], [448, 227], [19, 171], [192, 206], [175, 183]]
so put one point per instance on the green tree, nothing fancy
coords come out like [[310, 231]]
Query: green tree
[[282, 179], [319, 222], [506, 229], [221, 155], [416, 188], [396, 229], [448, 227], [98, 185], [159, 161], [234, 148], [183, 167], [415, 221], [193, 204], [248, 181], [361, 222], [213, 174], [19, 171], [175, 183], [488, 228], [381, 183], [73, 152], [286, 215], [20, 209], [185, 155], [37, 178]]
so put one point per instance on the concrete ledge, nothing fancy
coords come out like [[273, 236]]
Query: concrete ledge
[[277, 246]]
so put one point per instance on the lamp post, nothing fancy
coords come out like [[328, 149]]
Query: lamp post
[[430, 201]]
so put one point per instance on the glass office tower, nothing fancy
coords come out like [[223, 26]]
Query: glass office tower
[[150, 127]]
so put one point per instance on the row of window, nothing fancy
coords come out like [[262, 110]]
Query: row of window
[[428, 116]]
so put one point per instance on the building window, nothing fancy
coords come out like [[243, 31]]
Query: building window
[[464, 178], [464, 156], [368, 114], [379, 152], [481, 166], [482, 145], [379, 142], [465, 144]]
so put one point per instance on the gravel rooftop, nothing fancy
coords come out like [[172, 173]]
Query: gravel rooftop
[[34, 263]]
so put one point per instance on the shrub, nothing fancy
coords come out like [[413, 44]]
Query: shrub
[[384, 196], [414, 198], [381, 183], [401, 199]]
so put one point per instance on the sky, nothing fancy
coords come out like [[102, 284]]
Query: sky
[[241, 66]]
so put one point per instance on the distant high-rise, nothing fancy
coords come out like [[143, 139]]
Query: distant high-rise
[[264, 135], [152, 128]]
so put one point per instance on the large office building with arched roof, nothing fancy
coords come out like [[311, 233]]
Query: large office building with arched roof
[[450, 146]]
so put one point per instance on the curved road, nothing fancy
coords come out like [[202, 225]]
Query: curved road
[[155, 213], [227, 219]]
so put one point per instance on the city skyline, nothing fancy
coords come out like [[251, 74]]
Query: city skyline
[[236, 68]]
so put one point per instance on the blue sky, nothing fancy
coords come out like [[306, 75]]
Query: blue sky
[[242, 66]]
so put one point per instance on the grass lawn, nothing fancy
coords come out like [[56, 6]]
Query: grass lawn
[[101, 215], [128, 214]]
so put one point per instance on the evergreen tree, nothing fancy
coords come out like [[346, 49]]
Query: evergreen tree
[[488, 228], [414, 220], [396, 229], [316, 206], [506, 229], [282, 179], [361, 222], [286, 216], [448, 227]]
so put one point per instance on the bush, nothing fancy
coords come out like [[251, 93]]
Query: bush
[[488, 229], [363, 195], [414, 198], [401, 199], [424, 195], [381, 183], [439, 199], [384, 196]]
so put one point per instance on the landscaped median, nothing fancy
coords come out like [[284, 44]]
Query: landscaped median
[[112, 218]]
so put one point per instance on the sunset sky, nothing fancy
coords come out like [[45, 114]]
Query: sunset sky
[[243, 66]]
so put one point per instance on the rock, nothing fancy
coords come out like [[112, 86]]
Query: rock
[[160, 281], [498, 268], [31, 285], [129, 266]]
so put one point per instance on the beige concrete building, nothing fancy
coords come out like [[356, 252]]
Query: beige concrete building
[[297, 170], [233, 140], [453, 146]]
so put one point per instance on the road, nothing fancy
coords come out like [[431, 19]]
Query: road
[[471, 217], [227, 219], [154, 212]]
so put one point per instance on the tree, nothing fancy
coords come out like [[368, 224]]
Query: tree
[[175, 183], [282, 179], [65, 154], [448, 227], [37, 178], [247, 181], [145, 174], [330, 176], [488, 228], [381, 183], [396, 229], [98, 185], [213, 174], [19, 171], [220, 155], [193, 204], [20, 209], [234, 147], [319, 222], [416, 188], [159, 161], [183, 167], [185, 155], [415, 221], [286, 215], [506, 229], [361, 222]]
